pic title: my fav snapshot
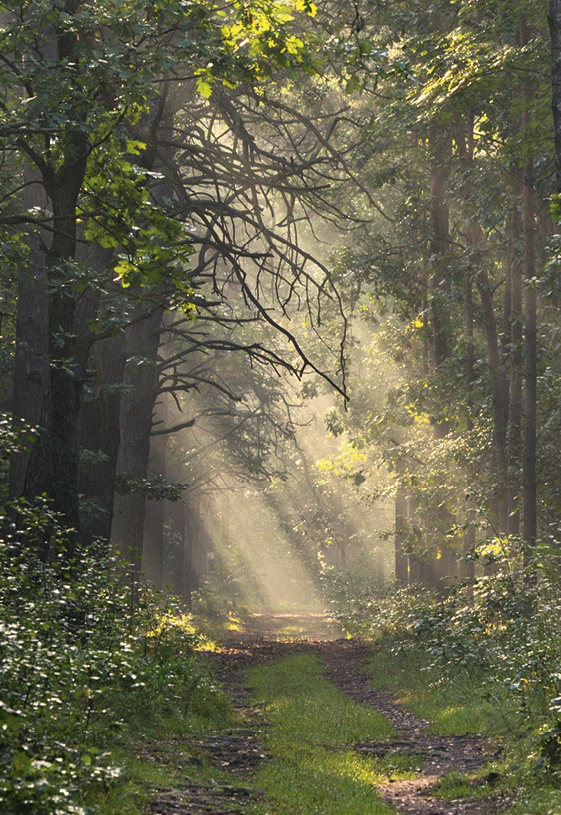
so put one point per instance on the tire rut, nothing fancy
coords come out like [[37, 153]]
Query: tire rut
[[437, 755], [465, 755], [239, 752]]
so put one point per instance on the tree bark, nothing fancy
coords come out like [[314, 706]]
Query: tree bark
[[53, 464], [440, 144], [467, 564], [401, 559], [555, 33], [137, 406], [100, 433], [530, 333], [179, 552], [516, 376], [31, 375], [530, 375], [153, 549], [439, 148], [499, 396]]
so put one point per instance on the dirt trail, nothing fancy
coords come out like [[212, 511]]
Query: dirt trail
[[288, 627], [343, 661], [438, 755]]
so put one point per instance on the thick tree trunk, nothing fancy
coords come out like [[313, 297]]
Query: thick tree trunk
[[53, 464], [137, 406]]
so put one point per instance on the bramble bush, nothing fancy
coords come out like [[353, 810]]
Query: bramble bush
[[78, 661]]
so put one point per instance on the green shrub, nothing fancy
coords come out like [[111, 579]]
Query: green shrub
[[78, 661]]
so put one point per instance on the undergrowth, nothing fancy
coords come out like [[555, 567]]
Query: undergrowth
[[83, 664]]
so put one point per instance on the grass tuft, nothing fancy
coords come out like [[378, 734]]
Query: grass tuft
[[454, 706]]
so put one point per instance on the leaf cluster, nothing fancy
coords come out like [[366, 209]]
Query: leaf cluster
[[79, 660]]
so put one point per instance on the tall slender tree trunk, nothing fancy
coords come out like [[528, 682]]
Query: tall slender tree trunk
[[401, 559], [439, 149], [499, 396], [440, 144], [153, 549], [516, 375], [464, 137], [176, 514], [555, 33], [467, 565], [100, 433], [530, 332], [31, 374], [497, 373]]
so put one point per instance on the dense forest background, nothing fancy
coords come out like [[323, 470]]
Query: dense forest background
[[280, 302], [206, 241]]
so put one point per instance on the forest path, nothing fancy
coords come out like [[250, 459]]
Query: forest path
[[343, 661], [241, 751], [288, 627]]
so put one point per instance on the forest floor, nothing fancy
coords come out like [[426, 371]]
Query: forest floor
[[237, 753]]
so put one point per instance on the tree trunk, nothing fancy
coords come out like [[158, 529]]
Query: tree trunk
[[530, 332], [439, 149], [31, 374], [53, 464], [175, 515], [153, 550], [499, 396], [440, 144], [401, 559], [467, 564], [516, 377], [137, 406], [555, 32], [100, 433]]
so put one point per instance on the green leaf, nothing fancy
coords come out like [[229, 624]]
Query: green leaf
[[204, 87]]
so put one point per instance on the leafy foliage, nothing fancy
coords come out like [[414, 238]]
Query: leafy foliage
[[79, 661], [154, 489]]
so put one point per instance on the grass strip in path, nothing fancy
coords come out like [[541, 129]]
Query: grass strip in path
[[313, 768]]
